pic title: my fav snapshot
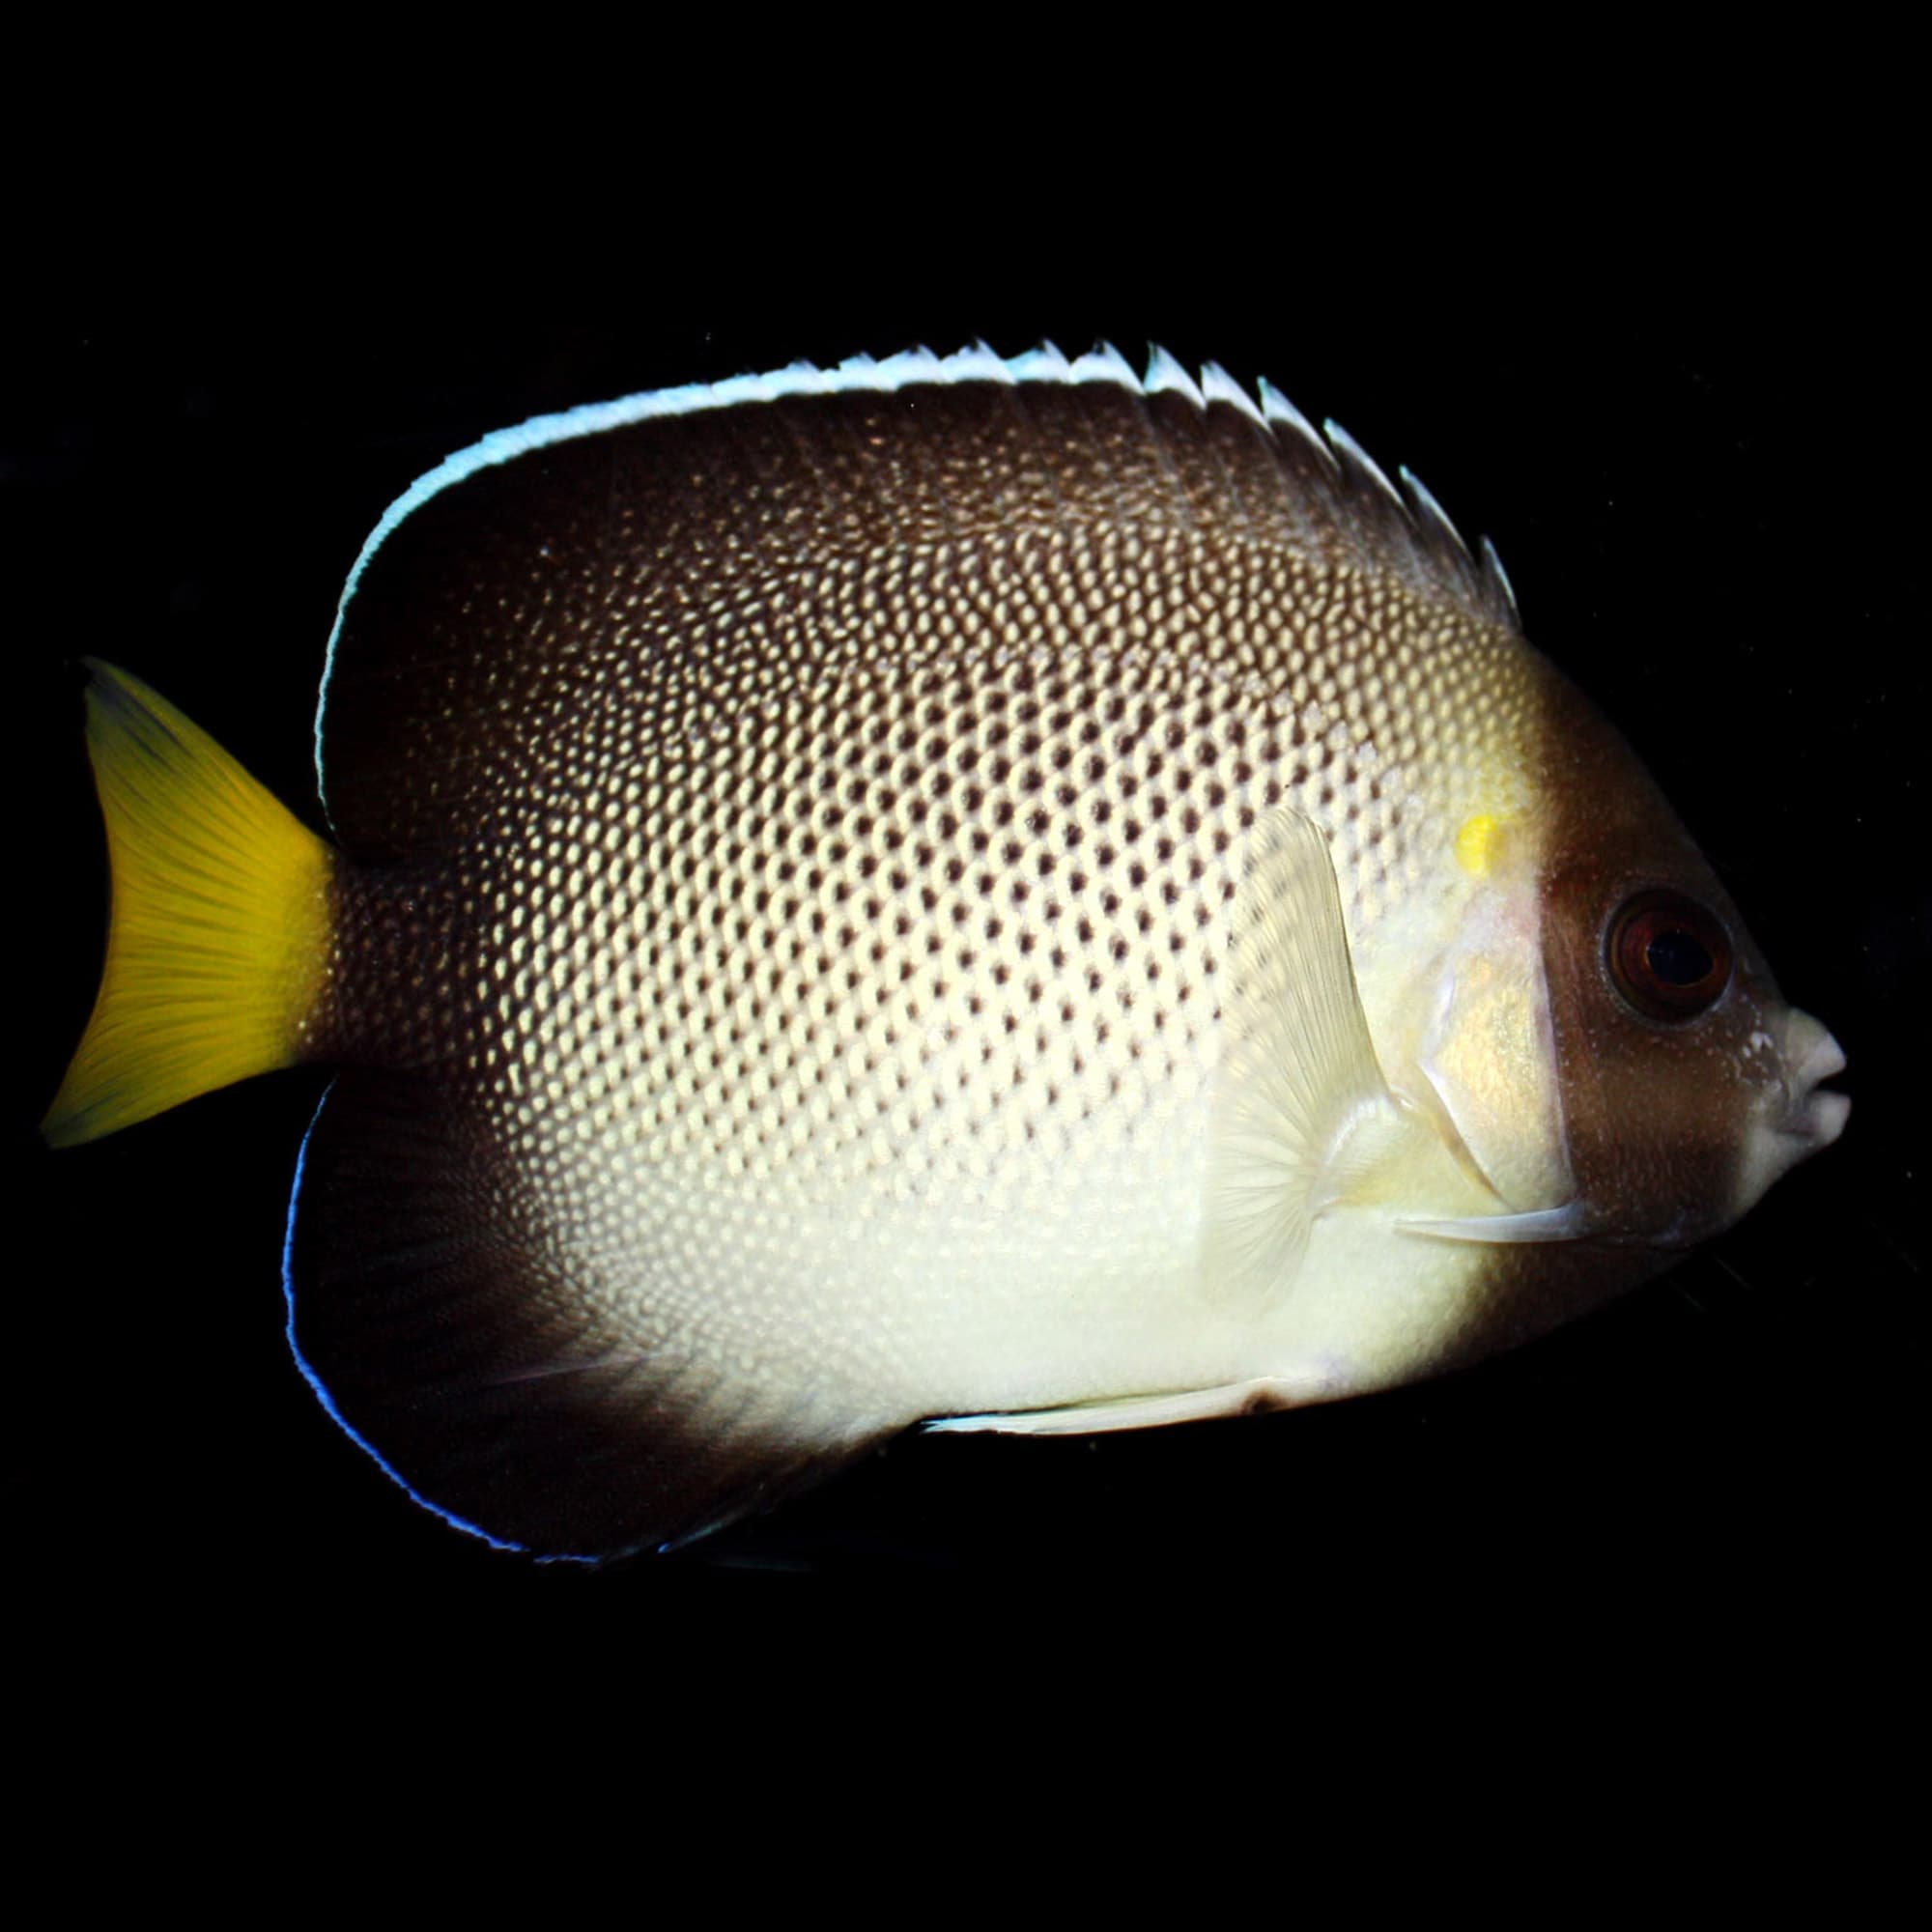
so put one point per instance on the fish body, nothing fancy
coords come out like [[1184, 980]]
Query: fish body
[[1009, 892]]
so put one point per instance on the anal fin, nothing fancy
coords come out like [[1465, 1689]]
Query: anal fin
[[485, 1371]]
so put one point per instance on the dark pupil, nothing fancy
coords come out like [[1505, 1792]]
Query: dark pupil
[[1678, 959]]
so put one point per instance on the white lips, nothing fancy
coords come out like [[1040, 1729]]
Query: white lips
[[1823, 1118], [1808, 1120], [1813, 1054]]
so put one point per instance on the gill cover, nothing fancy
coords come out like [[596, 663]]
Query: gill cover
[[1483, 1065]]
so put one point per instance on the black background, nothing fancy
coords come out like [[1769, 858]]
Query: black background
[[1705, 496]]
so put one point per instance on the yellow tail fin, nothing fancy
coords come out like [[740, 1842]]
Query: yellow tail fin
[[217, 944]]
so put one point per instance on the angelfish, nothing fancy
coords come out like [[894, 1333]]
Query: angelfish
[[1012, 893]]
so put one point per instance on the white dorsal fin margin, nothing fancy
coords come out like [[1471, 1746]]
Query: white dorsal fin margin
[[1165, 374], [858, 374], [909, 366], [975, 363], [1044, 364], [1104, 364], [1218, 387], [1356, 457], [1427, 510], [1281, 414], [1493, 565]]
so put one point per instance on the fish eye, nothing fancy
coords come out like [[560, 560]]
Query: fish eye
[[1670, 957]]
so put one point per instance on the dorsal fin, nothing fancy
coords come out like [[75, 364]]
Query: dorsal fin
[[691, 472]]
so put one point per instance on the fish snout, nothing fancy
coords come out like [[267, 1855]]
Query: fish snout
[[1800, 1118], [1812, 1056]]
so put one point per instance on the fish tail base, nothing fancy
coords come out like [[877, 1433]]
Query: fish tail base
[[218, 938]]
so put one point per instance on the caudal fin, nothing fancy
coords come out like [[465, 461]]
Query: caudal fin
[[218, 942]]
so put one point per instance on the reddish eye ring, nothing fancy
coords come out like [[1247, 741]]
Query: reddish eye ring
[[1668, 957]]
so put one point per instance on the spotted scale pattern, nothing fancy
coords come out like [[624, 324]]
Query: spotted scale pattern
[[807, 834]]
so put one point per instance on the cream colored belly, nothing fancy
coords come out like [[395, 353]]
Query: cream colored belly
[[931, 1278]]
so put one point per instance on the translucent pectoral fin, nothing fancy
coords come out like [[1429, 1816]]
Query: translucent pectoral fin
[[1302, 1115], [1574, 1221]]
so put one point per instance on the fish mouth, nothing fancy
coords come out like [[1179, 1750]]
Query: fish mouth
[[1812, 1116], [1814, 1113]]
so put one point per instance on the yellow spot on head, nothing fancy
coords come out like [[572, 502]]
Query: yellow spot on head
[[1478, 844]]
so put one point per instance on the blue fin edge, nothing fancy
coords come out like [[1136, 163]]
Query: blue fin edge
[[328, 1400]]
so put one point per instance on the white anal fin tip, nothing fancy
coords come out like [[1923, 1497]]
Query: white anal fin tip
[[1574, 1221]]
